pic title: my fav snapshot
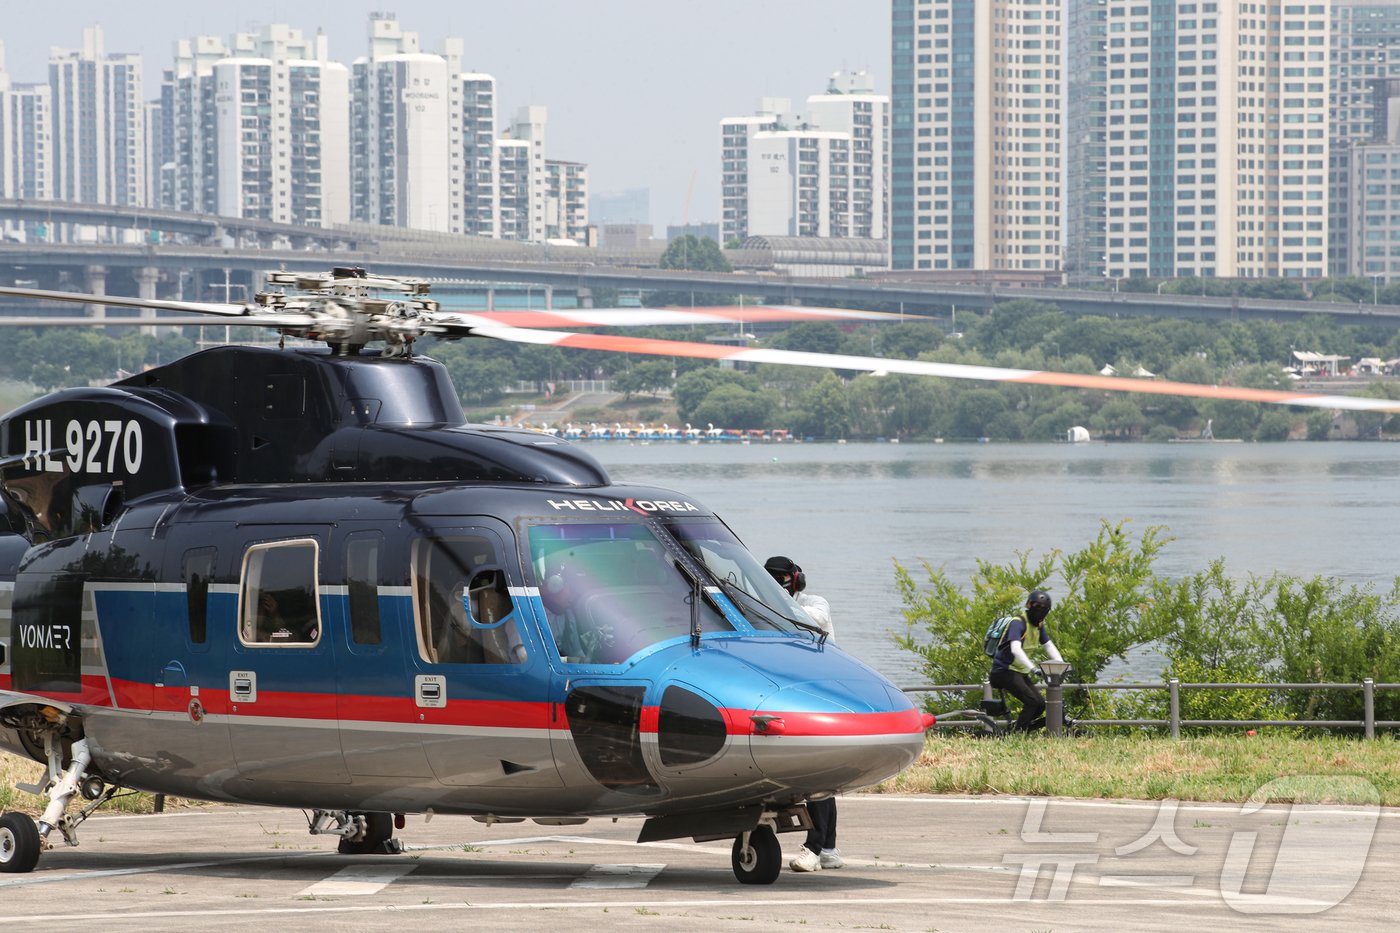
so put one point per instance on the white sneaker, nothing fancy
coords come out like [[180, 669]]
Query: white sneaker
[[830, 858], [807, 861]]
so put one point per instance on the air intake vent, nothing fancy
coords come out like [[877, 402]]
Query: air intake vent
[[690, 730]]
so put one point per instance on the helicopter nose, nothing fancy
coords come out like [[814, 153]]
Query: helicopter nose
[[834, 736]]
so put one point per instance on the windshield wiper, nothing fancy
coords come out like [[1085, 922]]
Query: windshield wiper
[[739, 594], [696, 594]]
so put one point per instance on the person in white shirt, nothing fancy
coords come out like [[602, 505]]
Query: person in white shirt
[[819, 850]]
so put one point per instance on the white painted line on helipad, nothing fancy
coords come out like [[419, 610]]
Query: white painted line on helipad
[[648, 901], [1314, 809], [619, 876], [170, 866], [358, 880]]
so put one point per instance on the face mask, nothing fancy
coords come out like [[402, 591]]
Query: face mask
[[1036, 614]]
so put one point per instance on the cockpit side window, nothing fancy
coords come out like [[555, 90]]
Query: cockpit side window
[[461, 603], [765, 604], [277, 595]]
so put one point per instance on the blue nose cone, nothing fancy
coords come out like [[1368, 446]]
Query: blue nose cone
[[814, 718]]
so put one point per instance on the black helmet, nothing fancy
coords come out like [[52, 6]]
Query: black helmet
[[1037, 606], [787, 573]]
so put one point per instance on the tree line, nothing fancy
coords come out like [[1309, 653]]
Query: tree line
[[820, 403]]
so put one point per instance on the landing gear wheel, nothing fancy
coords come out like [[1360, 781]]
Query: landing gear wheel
[[19, 843], [759, 862], [379, 829]]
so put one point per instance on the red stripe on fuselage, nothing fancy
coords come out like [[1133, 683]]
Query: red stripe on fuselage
[[498, 714], [328, 707], [807, 723]]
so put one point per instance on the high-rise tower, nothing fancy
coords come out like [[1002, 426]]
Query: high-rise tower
[[975, 138]]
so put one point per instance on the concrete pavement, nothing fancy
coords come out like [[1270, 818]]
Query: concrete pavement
[[913, 863]]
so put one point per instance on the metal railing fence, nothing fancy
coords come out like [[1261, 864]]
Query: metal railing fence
[[1368, 723]]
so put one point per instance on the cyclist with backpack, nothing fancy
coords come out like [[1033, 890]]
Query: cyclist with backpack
[[1012, 667]]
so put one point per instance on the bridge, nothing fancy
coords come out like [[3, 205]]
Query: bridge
[[165, 254]]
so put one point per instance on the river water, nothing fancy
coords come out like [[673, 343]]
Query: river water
[[845, 512]]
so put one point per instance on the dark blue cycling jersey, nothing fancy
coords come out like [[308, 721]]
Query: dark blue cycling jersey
[[1004, 660]]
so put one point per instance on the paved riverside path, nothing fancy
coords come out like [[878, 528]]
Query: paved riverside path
[[913, 863]]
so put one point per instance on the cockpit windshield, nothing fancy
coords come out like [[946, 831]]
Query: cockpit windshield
[[611, 589], [765, 604]]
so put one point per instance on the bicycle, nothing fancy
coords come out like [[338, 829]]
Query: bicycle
[[991, 719]]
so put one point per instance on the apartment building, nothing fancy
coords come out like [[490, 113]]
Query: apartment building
[[822, 172], [851, 107], [566, 201], [1202, 127], [281, 130], [736, 133], [26, 139], [513, 188], [186, 147], [1373, 191], [1365, 53], [479, 193], [266, 125], [521, 177], [99, 124], [975, 135], [401, 139]]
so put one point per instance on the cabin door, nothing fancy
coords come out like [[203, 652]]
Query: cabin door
[[283, 719], [378, 720], [481, 683]]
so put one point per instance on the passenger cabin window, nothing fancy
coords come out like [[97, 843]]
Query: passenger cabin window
[[362, 585], [199, 566], [462, 604], [277, 597]]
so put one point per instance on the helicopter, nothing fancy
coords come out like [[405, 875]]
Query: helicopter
[[298, 577]]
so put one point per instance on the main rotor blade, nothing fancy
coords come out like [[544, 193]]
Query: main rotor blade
[[654, 347], [121, 301], [243, 321], [644, 317]]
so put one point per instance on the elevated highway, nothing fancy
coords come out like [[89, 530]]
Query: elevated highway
[[201, 257]]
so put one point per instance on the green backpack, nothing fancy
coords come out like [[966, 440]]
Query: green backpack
[[991, 644]]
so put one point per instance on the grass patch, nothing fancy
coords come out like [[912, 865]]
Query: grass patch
[[1224, 768], [1140, 767], [15, 770]]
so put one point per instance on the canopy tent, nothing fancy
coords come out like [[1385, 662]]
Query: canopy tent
[[1319, 362]]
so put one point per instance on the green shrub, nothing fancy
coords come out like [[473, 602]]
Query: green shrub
[[1100, 595], [1222, 704], [1210, 627]]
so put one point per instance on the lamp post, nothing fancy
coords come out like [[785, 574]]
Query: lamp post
[[1054, 672], [1159, 286], [1375, 289]]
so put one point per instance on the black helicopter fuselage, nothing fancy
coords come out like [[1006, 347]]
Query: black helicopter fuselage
[[296, 578]]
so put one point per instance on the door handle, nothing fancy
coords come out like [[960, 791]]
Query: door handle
[[430, 691], [243, 686]]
